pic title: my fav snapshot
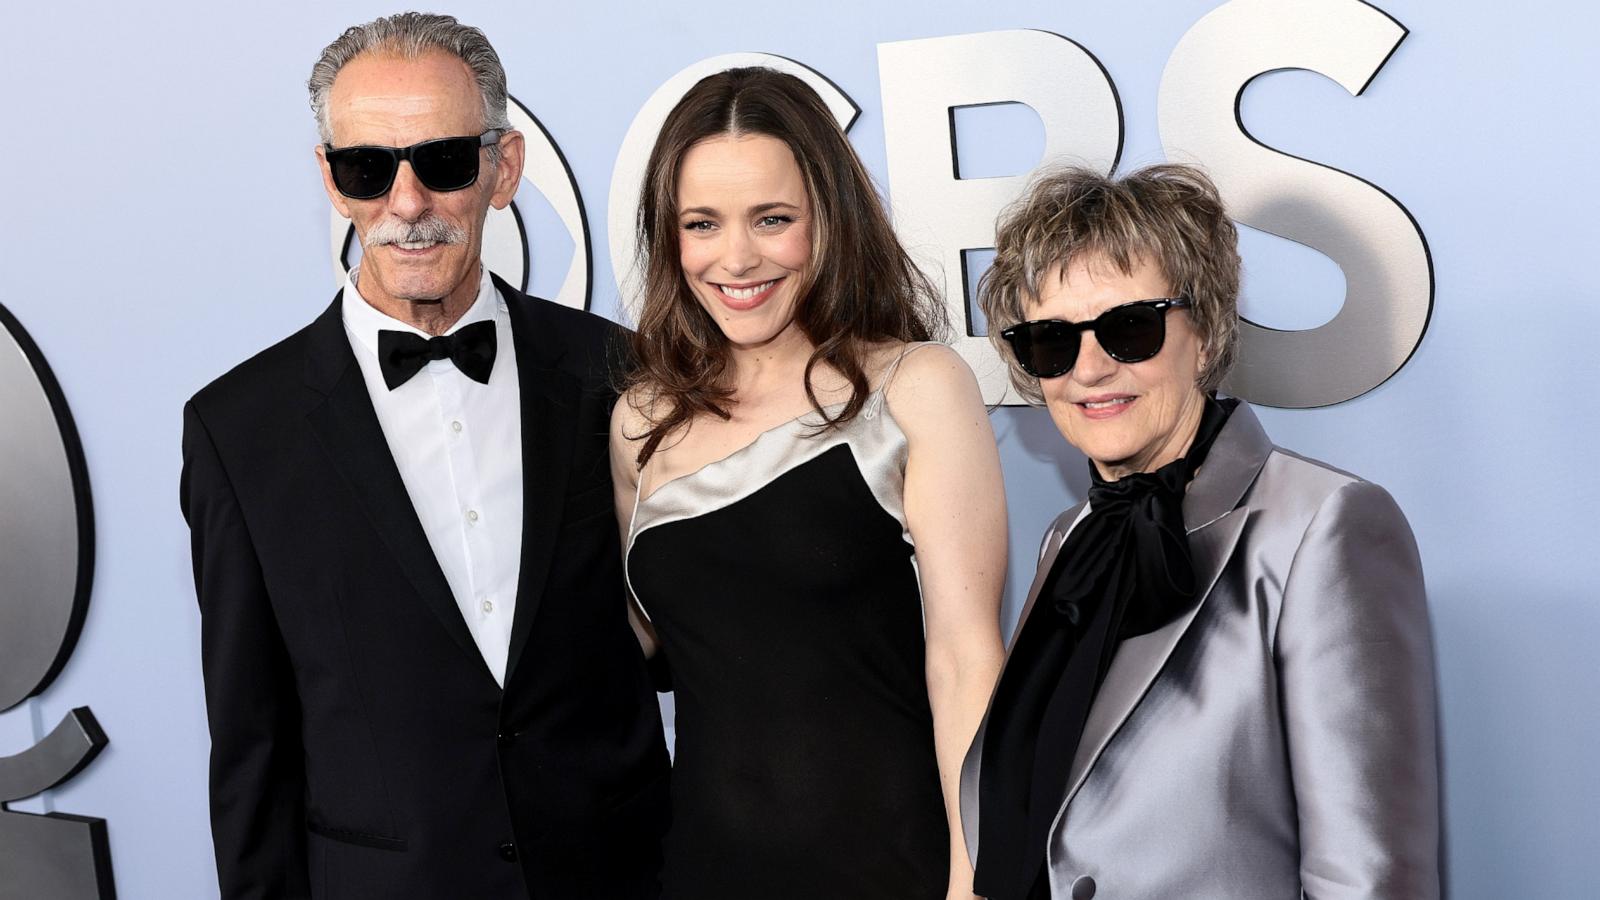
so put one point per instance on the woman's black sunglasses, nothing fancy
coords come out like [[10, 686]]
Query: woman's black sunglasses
[[445, 164], [1130, 333]]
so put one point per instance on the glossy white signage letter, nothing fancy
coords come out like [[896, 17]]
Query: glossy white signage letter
[[938, 215], [1388, 276]]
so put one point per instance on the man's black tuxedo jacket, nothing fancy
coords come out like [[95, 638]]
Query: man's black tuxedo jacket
[[360, 747]]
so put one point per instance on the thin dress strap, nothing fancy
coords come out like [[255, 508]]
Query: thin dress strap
[[627, 548], [633, 524], [638, 491]]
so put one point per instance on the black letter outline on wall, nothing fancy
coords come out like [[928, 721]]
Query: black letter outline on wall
[[46, 571]]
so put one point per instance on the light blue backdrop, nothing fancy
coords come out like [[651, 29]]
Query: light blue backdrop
[[164, 220]]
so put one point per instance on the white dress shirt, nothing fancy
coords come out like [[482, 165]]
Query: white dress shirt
[[458, 445]]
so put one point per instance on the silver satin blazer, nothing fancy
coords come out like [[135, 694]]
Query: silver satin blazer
[[1277, 741]]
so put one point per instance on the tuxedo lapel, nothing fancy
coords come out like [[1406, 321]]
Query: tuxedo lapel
[[342, 417], [549, 400]]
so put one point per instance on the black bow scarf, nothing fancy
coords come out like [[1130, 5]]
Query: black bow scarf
[[402, 354], [1124, 571]]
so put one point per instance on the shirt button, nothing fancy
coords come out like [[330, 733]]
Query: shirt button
[[508, 852], [472, 515], [1083, 888], [488, 606], [456, 427]]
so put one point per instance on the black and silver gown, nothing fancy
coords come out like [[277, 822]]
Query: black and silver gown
[[783, 589]]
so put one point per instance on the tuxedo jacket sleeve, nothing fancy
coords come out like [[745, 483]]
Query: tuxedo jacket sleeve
[[257, 776]]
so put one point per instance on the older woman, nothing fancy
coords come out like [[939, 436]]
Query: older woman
[[1222, 684], [816, 522]]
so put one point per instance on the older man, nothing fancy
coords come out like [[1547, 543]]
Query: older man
[[419, 671]]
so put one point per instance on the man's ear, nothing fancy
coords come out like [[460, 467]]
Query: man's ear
[[508, 173], [340, 202]]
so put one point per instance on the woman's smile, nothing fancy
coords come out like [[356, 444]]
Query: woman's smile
[[1105, 406], [747, 295]]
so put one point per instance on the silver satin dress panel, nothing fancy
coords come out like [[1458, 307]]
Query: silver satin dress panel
[[1279, 740], [874, 438]]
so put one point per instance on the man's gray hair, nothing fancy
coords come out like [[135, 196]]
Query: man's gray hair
[[410, 35]]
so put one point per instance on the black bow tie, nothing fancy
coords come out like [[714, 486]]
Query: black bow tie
[[402, 354]]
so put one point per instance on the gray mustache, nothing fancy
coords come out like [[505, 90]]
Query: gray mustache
[[429, 228]]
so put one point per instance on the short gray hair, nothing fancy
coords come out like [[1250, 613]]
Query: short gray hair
[[1168, 215], [410, 35]]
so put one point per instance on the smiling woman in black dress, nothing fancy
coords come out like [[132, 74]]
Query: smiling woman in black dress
[[815, 519]]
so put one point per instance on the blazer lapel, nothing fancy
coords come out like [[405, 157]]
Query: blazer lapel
[[1214, 522], [549, 399], [342, 417], [1139, 660]]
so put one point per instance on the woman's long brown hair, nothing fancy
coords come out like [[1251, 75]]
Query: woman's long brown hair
[[859, 288]]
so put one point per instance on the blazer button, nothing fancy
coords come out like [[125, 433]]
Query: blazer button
[[1083, 888], [505, 739], [508, 852]]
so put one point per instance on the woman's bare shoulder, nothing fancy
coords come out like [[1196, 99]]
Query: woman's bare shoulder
[[930, 387], [930, 367], [636, 411]]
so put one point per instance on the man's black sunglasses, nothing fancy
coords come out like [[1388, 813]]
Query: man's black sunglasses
[[1130, 333], [444, 164]]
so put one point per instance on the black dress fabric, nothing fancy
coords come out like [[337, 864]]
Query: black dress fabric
[[792, 621], [1124, 571]]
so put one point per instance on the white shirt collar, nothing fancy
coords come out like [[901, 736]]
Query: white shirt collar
[[364, 321]]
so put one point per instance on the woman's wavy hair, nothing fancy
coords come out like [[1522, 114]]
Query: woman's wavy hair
[[1170, 215], [860, 286]]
